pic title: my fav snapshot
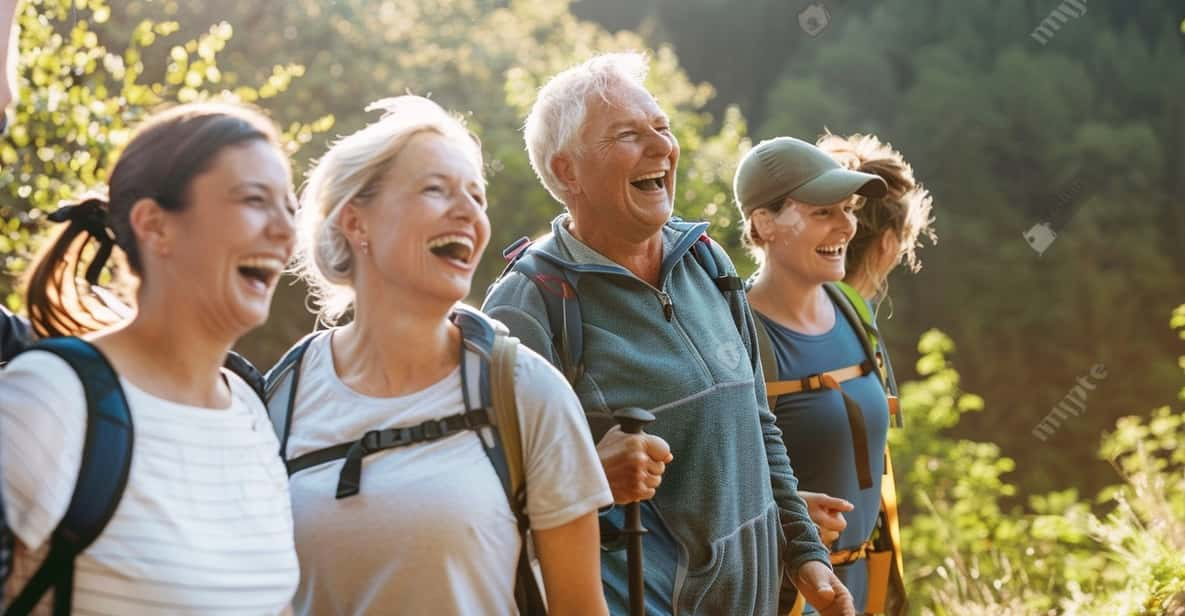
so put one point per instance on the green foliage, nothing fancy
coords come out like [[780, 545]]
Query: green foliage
[[1083, 132], [967, 553], [482, 58], [80, 101]]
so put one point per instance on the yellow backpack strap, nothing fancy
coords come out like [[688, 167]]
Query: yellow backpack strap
[[892, 597], [769, 362], [502, 360]]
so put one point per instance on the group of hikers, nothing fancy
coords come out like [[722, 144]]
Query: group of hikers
[[437, 459]]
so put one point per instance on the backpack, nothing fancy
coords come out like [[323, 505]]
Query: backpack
[[102, 475], [15, 335], [487, 381], [886, 587], [557, 285]]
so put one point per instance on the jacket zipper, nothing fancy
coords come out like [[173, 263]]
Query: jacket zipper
[[668, 312]]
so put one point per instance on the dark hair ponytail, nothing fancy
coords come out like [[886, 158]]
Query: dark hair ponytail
[[166, 153]]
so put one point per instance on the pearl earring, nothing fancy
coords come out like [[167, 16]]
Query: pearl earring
[[365, 247]]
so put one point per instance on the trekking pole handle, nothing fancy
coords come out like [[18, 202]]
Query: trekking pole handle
[[632, 420]]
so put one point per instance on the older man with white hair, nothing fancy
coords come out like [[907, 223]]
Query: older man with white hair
[[642, 310]]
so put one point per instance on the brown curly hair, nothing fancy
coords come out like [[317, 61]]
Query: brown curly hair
[[905, 209]]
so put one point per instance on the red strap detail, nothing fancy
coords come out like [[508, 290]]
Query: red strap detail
[[556, 285]]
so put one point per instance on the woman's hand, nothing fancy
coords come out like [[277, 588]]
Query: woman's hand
[[827, 514], [570, 556]]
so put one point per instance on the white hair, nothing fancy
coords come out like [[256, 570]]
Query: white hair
[[561, 107], [350, 171]]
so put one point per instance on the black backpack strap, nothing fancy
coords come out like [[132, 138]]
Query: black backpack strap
[[557, 286], [15, 335], [244, 369], [102, 476], [279, 391], [722, 276], [713, 262], [374, 441]]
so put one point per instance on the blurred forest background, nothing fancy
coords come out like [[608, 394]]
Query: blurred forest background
[[1023, 117]]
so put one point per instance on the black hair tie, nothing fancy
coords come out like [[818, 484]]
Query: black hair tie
[[91, 216]]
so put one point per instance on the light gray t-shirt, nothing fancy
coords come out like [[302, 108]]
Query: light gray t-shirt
[[431, 531]]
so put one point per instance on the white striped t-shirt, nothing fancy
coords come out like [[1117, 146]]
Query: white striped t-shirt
[[204, 525]]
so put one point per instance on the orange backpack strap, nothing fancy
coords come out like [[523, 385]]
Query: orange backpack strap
[[830, 380]]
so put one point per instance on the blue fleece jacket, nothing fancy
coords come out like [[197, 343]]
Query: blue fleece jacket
[[728, 501]]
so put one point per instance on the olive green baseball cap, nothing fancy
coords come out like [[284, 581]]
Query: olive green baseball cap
[[787, 167]]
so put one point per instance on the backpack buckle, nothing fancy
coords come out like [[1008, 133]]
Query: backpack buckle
[[433, 429], [370, 442]]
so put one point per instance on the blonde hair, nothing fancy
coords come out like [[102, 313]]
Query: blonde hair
[[561, 108], [350, 171], [906, 209]]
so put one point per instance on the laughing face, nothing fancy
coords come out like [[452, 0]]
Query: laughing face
[[234, 237], [623, 173], [425, 222], [810, 241]]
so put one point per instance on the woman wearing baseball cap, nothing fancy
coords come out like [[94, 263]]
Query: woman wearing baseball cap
[[823, 381]]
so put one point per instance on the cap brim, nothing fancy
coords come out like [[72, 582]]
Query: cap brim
[[837, 185]]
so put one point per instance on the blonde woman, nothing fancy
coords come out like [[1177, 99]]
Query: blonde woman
[[888, 228], [392, 225]]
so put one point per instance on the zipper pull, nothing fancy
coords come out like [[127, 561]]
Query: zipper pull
[[668, 307]]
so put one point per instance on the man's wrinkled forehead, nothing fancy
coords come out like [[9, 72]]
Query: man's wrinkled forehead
[[626, 98]]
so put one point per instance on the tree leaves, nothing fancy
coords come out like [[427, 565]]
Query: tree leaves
[[80, 100]]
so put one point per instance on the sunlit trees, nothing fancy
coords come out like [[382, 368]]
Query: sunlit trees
[[80, 98]]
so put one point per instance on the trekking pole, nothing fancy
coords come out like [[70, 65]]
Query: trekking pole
[[632, 420]]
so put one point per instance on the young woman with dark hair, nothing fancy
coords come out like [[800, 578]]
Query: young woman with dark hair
[[200, 212]]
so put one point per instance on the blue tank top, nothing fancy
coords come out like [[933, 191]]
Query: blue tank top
[[817, 435]]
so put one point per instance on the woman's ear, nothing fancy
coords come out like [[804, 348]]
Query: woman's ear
[[763, 225], [153, 229], [353, 225]]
